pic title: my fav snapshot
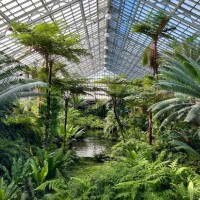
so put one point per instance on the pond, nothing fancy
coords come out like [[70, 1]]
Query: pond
[[90, 145]]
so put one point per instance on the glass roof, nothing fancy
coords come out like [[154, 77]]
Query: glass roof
[[110, 41]]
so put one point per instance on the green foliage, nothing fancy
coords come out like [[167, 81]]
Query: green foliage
[[8, 192], [90, 122], [189, 192], [46, 165], [72, 132], [13, 86], [188, 47], [110, 128], [98, 109], [146, 57], [117, 87], [153, 27], [180, 74], [139, 175], [187, 141], [39, 173], [47, 39], [11, 150], [18, 172]]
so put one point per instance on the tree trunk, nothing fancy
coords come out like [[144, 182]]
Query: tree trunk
[[154, 57], [149, 129], [74, 101], [65, 123], [49, 65], [117, 117]]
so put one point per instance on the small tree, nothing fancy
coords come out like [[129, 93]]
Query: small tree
[[48, 40], [69, 86], [153, 27], [117, 88]]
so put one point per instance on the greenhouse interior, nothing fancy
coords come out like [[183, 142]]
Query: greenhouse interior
[[100, 100]]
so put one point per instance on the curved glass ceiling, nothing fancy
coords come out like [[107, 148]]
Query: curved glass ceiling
[[110, 41]]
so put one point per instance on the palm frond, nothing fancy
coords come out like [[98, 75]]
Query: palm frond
[[15, 91], [162, 104], [174, 116], [194, 114], [8, 71]]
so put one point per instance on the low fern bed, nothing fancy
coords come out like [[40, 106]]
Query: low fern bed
[[136, 176]]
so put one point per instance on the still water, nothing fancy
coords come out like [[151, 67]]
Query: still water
[[90, 145]]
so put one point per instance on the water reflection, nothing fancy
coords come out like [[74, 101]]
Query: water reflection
[[88, 147]]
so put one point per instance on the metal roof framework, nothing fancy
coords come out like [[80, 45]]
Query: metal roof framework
[[112, 44]]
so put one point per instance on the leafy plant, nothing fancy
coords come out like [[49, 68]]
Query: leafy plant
[[181, 75], [49, 41], [154, 27], [14, 86], [8, 192]]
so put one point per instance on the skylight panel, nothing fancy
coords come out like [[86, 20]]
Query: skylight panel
[[26, 4]]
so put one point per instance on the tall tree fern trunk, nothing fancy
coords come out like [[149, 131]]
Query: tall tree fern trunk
[[74, 101], [65, 123], [117, 117], [49, 65], [149, 129], [154, 57]]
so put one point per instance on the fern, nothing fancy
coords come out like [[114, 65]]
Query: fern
[[8, 192], [55, 184]]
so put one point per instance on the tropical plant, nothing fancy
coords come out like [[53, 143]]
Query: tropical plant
[[71, 131], [189, 192], [46, 166], [186, 140], [189, 47], [8, 192], [12, 149], [70, 87], [14, 85], [19, 171], [153, 27], [117, 88], [144, 94], [180, 75], [49, 41]]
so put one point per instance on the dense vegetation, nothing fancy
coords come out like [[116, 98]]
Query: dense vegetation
[[154, 123]]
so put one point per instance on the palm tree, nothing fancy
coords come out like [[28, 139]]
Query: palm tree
[[49, 41], [153, 27]]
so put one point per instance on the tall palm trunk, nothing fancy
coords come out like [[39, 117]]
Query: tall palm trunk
[[65, 123], [117, 117]]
